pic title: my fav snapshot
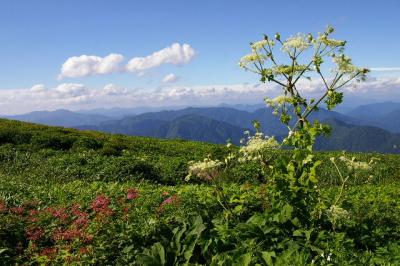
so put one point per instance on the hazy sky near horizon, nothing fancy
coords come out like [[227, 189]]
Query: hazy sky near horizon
[[87, 54]]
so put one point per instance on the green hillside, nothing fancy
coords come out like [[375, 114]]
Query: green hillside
[[133, 206]]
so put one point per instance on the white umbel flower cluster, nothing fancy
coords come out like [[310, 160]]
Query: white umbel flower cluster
[[251, 58], [299, 42], [344, 64], [261, 44], [337, 214], [277, 101], [207, 169], [256, 147]]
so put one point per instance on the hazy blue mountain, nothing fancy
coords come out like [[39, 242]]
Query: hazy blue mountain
[[118, 113], [187, 126], [61, 117], [385, 115], [165, 124], [374, 110], [201, 128], [359, 138]]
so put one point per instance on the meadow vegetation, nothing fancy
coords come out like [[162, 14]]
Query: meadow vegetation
[[83, 198]]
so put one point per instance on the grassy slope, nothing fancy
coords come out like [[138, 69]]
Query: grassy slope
[[58, 166]]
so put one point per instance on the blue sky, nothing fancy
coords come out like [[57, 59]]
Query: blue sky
[[37, 37]]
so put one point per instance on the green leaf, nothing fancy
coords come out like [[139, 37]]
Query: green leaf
[[125, 250], [267, 257], [298, 233], [245, 259]]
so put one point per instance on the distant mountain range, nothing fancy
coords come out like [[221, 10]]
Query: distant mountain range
[[372, 127], [358, 138], [385, 115], [60, 117]]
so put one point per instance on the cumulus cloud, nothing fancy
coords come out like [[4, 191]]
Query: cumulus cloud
[[77, 96], [170, 78], [113, 90], [87, 65], [176, 54]]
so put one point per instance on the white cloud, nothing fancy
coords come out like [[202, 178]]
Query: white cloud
[[38, 88], [170, 78], [385, 69], [77, 96], [87, 65], [175, 54], [71, 90], [113, 90]]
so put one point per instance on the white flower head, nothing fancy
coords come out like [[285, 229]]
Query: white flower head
[[261, 44], [206, 169], [250, 58], [299, 42]]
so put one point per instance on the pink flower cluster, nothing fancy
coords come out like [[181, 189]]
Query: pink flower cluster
[[17, 210], [173, 200], [48, 251], [34, 233], [132, 193], [81, 217], [59, 213], [68, 234], [101, 205]]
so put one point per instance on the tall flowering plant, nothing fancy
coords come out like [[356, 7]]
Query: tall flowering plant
[[296, 211], [304, 58]]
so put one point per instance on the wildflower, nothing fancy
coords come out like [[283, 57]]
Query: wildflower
[[32, 214], [207, 169], [3, 206], [81, 221], [288, 70], [60, 214], [66, 235], [353, 165], [34, 233], [298, 42], [48, 251], [173, 200], [170, 200], [165, 193], [331, 42], [344, 64], [17, 210], [261, 44], [250, 58], [336, 213], [133, 193], [279, 100], [258, 144], [87, 238], [84, 250], [101, 202], [101, 206]]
